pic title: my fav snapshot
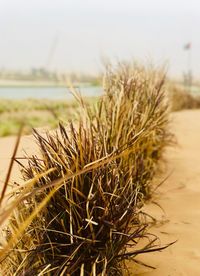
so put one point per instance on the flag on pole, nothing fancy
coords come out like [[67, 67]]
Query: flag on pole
[[187, 46]]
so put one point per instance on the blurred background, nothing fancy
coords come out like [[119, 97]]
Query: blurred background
[[44, 43]]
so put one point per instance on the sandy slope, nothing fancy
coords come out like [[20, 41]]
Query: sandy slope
[[180, 198]]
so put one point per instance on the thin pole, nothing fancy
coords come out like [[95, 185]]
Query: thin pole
[[189, 69]]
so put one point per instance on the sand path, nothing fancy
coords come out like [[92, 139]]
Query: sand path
[[180, 198]]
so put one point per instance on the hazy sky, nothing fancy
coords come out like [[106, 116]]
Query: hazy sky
[[76, 34]]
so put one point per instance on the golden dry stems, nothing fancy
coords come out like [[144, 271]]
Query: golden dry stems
[[83, 215], [181, 99]]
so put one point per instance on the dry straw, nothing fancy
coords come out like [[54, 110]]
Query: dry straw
[[180, 98], [82, 213]]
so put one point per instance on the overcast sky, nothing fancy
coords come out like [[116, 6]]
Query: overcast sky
[[76, 34]]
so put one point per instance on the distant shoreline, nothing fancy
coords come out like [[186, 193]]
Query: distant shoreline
[[39, 84]]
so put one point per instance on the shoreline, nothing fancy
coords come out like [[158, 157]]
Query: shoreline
[[41, 84]]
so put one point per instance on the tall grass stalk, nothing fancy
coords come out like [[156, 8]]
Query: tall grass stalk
[[83, 217]]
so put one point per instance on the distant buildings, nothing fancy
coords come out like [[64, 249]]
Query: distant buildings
[[35, 75]]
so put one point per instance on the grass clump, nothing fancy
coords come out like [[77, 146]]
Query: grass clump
[[181, 99], [84, 217]]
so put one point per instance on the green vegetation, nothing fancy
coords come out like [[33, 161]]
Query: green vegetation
[[39, 113], [35, 113], [80, 213]]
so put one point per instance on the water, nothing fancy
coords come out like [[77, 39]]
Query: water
[[58, 93], [53, 93], [195, 91]]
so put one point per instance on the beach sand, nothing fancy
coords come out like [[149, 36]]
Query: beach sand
[[179, 196]]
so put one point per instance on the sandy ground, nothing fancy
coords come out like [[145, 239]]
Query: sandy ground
[[7, 145], [179, 197]]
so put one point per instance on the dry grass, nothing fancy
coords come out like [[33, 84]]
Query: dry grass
[[181, 99], [80, 212]]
